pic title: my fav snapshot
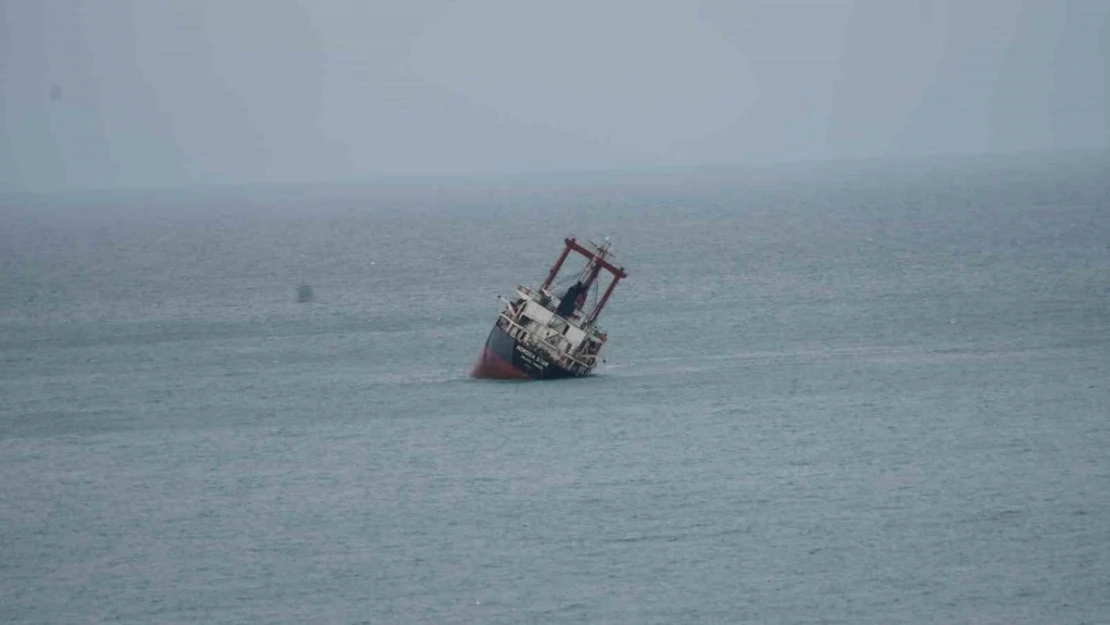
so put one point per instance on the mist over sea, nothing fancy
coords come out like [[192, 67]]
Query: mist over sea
[[858, 393]]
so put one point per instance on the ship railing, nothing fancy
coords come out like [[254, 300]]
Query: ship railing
[[575, 320], [519, 333]]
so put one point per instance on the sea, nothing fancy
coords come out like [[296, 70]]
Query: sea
[[866, 392]]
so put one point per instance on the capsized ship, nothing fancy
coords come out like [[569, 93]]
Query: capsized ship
[[539, 335]]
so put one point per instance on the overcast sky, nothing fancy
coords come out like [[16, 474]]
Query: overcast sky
[[126, 93]]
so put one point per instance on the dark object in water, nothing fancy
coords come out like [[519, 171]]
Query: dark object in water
[[540, 335], [304, 294]]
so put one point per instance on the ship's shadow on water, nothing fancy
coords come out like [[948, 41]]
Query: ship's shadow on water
[[567, 381]]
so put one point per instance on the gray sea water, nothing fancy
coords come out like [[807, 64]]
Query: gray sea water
[[870, 393]]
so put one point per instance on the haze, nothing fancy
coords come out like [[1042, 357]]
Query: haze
[[145, 93]]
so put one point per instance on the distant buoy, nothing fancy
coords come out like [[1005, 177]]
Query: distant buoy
[[304, 294]]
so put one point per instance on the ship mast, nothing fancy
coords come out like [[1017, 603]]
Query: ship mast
[[596, 257]]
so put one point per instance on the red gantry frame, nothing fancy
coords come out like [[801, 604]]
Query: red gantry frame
[[596, 261]]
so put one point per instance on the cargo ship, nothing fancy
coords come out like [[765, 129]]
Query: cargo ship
[[541, 334]]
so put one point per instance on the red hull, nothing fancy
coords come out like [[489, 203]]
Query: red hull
[[494, 367]]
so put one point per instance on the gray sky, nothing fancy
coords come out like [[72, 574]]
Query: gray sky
[[125, 93]]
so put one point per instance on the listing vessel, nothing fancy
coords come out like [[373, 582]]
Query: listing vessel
[[540, 335]]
